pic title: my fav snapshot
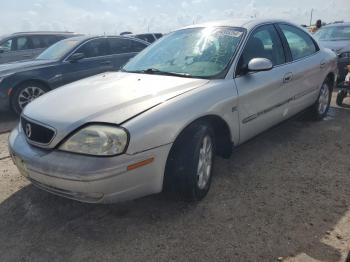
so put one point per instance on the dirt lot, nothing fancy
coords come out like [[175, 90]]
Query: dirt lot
[[285, 195]]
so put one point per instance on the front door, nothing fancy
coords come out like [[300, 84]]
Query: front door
[[97, 60], [263, 96]]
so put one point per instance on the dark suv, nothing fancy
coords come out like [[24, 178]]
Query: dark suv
[[28, 45], [66, 61]]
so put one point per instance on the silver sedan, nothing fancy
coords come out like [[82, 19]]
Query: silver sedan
[[157, 125]]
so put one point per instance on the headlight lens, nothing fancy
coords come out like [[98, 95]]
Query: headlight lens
[[98, 140], [345, 55]]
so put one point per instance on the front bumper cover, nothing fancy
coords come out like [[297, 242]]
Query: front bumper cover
[[86, 178]]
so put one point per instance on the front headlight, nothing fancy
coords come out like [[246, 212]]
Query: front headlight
[[98, 140], [345, 55]]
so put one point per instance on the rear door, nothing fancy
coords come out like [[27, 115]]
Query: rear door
[[263, 97], [122, 49], [96, 60], [306, 67]]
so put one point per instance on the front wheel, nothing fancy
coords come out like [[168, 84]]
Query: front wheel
[[24, 94], [190, 164], [320, 109]]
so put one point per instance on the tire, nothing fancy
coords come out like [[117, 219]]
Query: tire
[[26, 93], [194, 149], [320, 108], [340, 97]]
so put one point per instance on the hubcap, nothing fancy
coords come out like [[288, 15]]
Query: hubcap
[[205, 162], [323, 101], [28, 94]]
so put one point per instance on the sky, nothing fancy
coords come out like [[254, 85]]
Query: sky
[[137, 16]]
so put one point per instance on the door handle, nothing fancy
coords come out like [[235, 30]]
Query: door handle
[[322, 64], [287, 77]]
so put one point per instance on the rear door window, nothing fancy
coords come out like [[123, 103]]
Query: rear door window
[[37, 42], [23, 43], [94, 48], [300, 43], [49, 40], [122, 46]]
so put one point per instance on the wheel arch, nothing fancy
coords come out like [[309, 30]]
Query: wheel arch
[[222, 138], [330, 79], [33, 80], [222, 133]]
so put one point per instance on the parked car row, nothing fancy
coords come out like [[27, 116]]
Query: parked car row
[[337, 37], [28, 45], [157, 124], [66, 61], [149, 37]]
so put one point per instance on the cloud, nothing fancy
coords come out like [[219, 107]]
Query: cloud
[[115, 16]]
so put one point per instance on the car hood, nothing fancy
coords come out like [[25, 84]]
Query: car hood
[[336, 46], [15, 67], [110, 97]]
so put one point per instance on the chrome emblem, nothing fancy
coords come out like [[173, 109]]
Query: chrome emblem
[[28, 130]]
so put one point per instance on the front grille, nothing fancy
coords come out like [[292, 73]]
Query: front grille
[[37, 133]]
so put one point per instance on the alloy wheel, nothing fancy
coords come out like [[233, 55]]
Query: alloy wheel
[[205, 162], [323, 100], [28, 94]]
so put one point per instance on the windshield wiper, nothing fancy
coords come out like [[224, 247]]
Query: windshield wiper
[[159, 72]]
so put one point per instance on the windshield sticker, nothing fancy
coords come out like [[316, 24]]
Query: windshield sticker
[[225, 32]]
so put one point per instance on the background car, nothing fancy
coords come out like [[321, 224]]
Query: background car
[[158, 123], [28, 45], [337, 37], [148, 37], [64, 62]]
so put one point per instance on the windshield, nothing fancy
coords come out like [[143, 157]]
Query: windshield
[[58, 50], [333, 33], [194, 52]]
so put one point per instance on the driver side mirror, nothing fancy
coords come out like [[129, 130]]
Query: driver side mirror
[[260, 64], [76, 57], [2, 50]]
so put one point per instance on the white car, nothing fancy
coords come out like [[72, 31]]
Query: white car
[[157, 124]]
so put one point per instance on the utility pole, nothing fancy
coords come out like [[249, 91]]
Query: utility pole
[[312, 10]]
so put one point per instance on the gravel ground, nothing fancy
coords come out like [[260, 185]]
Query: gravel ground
[[285, 195]]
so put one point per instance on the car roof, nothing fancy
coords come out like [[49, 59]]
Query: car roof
[[244, 23], [44, 33], [83, 38], [3, 37]]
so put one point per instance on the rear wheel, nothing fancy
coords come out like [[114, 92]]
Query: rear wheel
[[26, 93], [340, 97], [190, 163], [320, 109]]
